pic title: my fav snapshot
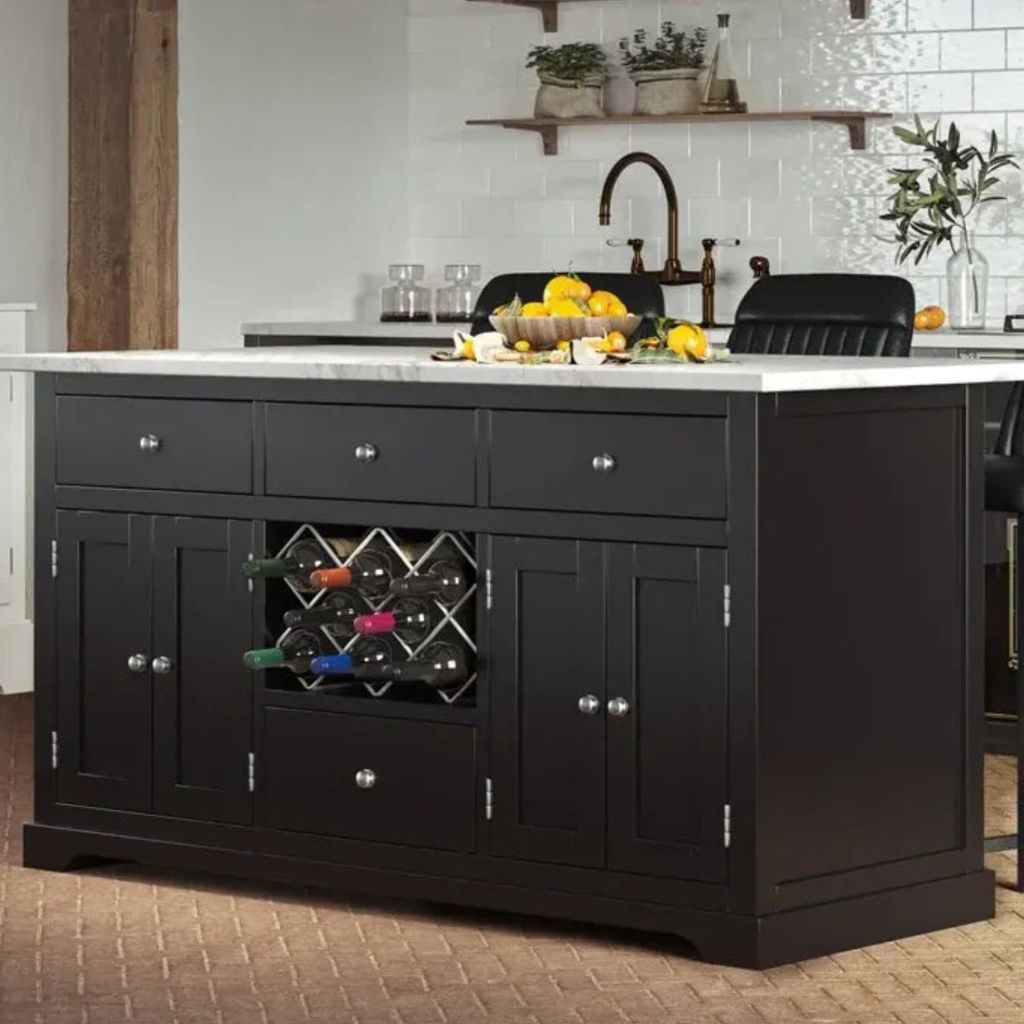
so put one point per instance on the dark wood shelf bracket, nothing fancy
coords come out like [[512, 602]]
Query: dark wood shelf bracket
[[856, 125]]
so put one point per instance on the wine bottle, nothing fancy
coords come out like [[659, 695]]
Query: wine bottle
[[443, 578], [441, 665], [409, 618], [367, 651], [297, 563], [370, 573], [337, 613], [296, 653]]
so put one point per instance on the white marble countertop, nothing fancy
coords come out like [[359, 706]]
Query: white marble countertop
[[375, 329], [413, 365], [966, 341]]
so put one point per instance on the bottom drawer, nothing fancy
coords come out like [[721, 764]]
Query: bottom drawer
[[418, 778]]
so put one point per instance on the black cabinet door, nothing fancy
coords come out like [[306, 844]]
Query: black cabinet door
[[202, 624], [667, 756], [547, 652], [104, 713]]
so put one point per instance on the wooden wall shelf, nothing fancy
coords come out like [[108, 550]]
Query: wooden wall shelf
[[855, 121], [549, 9]]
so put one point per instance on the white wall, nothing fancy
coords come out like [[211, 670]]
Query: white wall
[[790, 191], [293, 174], [33, 163]]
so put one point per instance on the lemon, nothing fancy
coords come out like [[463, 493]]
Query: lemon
[[468, 350], [565, 307], [617, 308], [566, 286], [688, 341], [563, 346], [522, 345], [601, 302], [617, 341], [535, 309]]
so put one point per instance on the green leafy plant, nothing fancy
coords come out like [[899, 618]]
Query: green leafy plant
[[671, 51], [572, 62], [935, 202]]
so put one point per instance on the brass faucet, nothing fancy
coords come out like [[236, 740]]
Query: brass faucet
[[672, 273]]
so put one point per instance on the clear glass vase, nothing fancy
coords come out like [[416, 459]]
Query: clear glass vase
[[967, 283]]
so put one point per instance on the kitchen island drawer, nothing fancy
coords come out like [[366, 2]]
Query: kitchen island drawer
[[154, 443], [645, 465], [372, 453], [360, 777]]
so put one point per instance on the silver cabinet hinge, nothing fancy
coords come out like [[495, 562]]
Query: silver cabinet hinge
[[54, 750], [727, 825], [252, 772], [488, 590], [727, 605], [488, 799], [251, 556], [53, 559]]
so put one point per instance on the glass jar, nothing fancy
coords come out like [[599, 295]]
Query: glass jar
[[967, 283], [456, 303], [407, 300]]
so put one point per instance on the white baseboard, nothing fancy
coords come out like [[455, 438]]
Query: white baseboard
[[16, 674]]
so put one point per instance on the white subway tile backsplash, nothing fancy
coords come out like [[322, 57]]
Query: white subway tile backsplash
[[794, 192]]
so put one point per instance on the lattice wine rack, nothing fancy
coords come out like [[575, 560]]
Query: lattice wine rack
[[452, 623]]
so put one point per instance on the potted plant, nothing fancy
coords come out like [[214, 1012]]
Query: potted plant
[[665, 73], [572, 79], [935, 203]]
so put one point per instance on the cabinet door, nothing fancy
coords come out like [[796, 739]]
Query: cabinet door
[[104, 712], [667, 757], [202, 624], [547, 652]]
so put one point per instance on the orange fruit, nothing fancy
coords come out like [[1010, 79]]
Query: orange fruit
[[688, 341], [535, 309], [930, 318], [617, 341], [617, 308], [566, 286]]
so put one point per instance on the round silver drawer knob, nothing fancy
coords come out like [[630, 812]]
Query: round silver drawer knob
[[589, 704], [366, 778], [366, 452], [618, 707], [604, 463], [138, 663], [162, 666], [150, 443]]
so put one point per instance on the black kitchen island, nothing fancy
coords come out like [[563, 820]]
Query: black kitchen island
[[726, 629]]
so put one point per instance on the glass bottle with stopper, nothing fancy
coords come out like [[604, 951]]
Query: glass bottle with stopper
[[407, 300], [456, 302], [721, 91]]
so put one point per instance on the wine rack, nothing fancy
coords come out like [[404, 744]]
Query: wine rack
[[454, 623]]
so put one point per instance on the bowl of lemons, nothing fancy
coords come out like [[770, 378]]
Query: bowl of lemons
[[568, 310]]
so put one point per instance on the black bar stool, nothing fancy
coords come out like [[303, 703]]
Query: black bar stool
[[1004, 492], [826, 315]]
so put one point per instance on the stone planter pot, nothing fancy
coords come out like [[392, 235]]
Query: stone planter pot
[[558, 98], [667, 92]]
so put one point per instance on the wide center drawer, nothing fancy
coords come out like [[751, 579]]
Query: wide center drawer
[[646, 465], [372, 453], [154, 443], [360, 777]]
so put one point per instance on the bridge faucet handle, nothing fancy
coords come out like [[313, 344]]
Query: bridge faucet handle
[[637, 244]]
